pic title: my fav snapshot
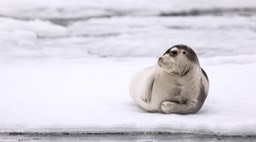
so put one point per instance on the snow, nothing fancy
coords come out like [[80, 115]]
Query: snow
[[65, 65], [91, 95], [97, 8], [127, 29], [127, 36]]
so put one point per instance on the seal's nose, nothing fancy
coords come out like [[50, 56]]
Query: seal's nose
[[160, 59]]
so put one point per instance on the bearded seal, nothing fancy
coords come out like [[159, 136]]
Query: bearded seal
[[176, 84]]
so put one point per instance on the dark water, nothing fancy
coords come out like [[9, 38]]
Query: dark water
[[140, 138]]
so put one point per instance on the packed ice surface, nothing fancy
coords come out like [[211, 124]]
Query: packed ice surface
[[91, 95], [65, 65]]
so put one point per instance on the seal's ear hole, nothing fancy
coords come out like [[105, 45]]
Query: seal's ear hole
[[184, 52]]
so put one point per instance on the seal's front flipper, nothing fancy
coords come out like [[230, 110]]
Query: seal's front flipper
[[146, 92], [180, 108]]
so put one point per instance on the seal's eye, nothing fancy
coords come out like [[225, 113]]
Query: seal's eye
[[184, 52], [174, 53]]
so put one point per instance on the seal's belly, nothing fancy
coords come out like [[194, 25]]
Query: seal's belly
[[163, 92]]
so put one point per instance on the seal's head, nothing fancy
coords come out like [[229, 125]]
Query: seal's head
[[178, 60]]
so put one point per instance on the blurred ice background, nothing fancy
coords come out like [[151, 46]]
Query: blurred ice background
[[129, 28]]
